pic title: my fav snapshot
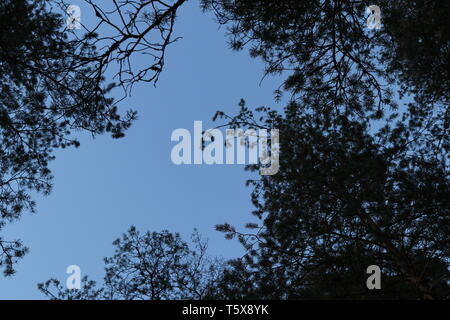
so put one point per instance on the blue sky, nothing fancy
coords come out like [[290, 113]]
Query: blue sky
[[107, 185]]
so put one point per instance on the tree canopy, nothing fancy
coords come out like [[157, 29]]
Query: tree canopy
[[364, 158], [364, 146], [150, 266], [53, 85]]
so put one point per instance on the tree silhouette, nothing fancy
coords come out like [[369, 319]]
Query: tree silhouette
[[150, 266], [53, 84], [341, 202], [325, 48], [364, 150], [364, 144]]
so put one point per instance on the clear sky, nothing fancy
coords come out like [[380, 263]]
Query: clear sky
[[107, 185]]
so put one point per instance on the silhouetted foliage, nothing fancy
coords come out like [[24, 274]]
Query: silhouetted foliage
[[417, 47], [342, 201], [52, 85], [364, 173], [364, 146], [150, 266], [326, 49]]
